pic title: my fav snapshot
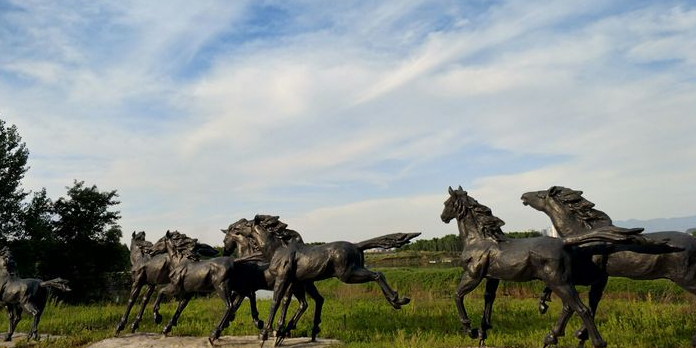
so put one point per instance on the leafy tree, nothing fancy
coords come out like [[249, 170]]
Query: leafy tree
[[13, 166], [87, 240]]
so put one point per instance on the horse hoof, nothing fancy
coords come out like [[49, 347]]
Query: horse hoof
[[550, 340], [158, 318], [211, 341], [582, 334], [134, 327], [543, 307], [259, 324], [315, 332], [7, 338], [473, 333]]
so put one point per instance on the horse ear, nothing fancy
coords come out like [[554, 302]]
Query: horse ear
[[223, 231], [554, 190], [460, 188], [451, 191], [168, 234], [133, 235]]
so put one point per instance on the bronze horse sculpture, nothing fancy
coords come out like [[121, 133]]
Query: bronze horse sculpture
[[189, 276], [252, 267], [573, 215], [296, 264], [149, 269], [29, 294], [488, 253]]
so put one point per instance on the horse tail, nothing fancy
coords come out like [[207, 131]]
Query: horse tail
[[57, 283], [394, 240], [613, 236]]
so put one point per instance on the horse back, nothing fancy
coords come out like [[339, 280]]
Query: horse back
[[324, 261], [21, 290]]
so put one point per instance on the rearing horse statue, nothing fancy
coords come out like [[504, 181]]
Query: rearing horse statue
[[488, 253], [670, 255]]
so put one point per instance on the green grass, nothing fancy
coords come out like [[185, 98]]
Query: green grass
[[633, 314]]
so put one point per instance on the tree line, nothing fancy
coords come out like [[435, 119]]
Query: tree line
[[75, 237], [452, 242]]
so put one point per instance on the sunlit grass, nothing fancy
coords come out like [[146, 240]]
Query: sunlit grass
[[633, 314]]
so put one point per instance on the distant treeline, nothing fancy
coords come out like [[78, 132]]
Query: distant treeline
[[451, 242]]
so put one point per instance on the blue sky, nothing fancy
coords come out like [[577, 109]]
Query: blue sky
[[350, 119]]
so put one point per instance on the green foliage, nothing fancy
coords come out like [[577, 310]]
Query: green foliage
[[450, 242], [526, 234], [13, 166]]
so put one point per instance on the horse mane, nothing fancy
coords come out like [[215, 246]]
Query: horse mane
[[10, 265], [277, 228], [580, 206], [490, 224]]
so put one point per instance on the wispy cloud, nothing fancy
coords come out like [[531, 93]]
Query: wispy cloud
[[353, 114]]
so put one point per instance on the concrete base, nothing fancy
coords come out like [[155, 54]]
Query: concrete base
[[149, 340], [22, 337]]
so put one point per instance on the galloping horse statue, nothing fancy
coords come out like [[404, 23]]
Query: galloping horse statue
[[670, 255], [252, 267], [488, 253], [189, 276], [17, 293], [150, 269], [298, 264]]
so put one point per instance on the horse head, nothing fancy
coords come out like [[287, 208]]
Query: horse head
[[179, 246], [454, 205], [238, 236], [7, 261], [474, 219], [568, 210]]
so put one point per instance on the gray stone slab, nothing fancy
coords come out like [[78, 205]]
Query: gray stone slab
[[148, 340]]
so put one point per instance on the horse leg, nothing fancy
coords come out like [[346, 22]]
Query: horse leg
[[543, 298], [488, 297], [558, 330], [466, 285], [11, 321], [595, 295], [237, 300], [36, 312], [155, 307], [135, 291], [318, 303], [175, 318], [228, 298], [363, 275], [146, 299], [571, 299], [254, 311], [299, 291], [282, 284]]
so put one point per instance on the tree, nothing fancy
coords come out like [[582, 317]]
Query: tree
[[87, 236], [13, 166]]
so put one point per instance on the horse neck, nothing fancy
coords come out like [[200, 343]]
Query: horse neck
[[266, 243], [136, 254], [566, 222], [467, 227]]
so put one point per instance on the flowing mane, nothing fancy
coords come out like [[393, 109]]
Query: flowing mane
[[580, 207], [277, 228], [490, 224]]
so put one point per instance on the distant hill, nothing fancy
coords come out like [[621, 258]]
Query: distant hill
[[663, 224]]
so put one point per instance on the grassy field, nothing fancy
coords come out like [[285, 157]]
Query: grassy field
[[633, 314]]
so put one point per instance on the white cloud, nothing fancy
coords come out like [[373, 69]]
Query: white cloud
[[193, 127]]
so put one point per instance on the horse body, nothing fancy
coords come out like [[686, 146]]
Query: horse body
[[189, 276], [149, 268], [488, 253], [670, 255], [29, 294]]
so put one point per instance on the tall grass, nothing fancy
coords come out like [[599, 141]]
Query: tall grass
[[633, 314]]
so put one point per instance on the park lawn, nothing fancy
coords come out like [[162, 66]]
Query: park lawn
[[633, 314]]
